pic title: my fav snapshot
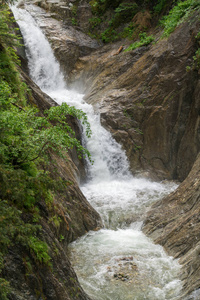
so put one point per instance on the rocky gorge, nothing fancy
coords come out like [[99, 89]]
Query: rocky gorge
[[150, 103], [150, 122]]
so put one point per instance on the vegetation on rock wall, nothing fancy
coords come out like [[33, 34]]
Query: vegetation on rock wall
[[124, 19], [178, 14], [196, 58], [130, 19], [144, 41], [26, 140]]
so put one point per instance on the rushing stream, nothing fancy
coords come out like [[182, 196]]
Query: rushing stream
[[118, 262]]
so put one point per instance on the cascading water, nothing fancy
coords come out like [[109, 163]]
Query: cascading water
[[118, 262]]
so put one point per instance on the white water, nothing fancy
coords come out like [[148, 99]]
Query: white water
[[121, 248]]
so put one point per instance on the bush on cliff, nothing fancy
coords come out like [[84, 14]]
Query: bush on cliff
[[26, 140], [128, 19]]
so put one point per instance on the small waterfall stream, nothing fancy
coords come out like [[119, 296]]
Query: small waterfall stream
[[118, 262]]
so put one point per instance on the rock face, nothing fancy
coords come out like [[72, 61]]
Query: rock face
[[148, 100], [151, 105], [174, 223], [67, 218], [67, 42], [79, 215]]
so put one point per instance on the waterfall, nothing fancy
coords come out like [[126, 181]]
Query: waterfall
[[118, 262]]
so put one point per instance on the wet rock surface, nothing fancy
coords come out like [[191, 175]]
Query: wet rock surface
[[146, 98], [175, 224], [151, 105], [79, 212], [126, 270], [148, 101], [68, 42], [69, 217]]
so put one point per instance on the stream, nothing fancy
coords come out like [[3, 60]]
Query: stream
[[117, 262]]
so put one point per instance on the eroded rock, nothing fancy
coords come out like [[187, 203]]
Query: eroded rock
[[174, 223], [148, 100], [68, 42], [69, 216]]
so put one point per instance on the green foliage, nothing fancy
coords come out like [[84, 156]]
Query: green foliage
[[159, 6], [137, 148], [8, 56], [12, 228], [4, 289], [100, 6], [109, 35], [4, 284], [178, 14], [61, 238], [39, 250], [27, 140], [196, 62], [56, 220], [13, 231], [26, 137], [74, 9], [128, 31], [120, 24], [74, 22], [6, 19], [196, 59], [144, 41], [138, 131], [122, 14], [95, 21]]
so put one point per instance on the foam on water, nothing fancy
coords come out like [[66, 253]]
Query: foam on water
[[124, 264], [122, 200]]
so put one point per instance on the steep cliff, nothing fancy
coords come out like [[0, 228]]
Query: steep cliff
[[62, 221], [42, 208], [149, 98], [174, 223], [68, 217], [146, 97]]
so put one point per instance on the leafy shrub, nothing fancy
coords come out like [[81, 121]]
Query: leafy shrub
[[40, 250], [100, 6], [109, 35], [159, 6], [178, 14], [128, 31], [26, 140], [196, 62], [124, 13], [95, 21], [144, 41], [196, 59]]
